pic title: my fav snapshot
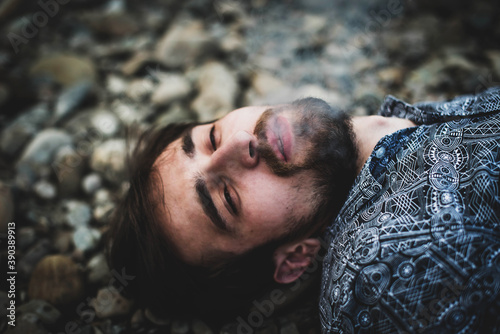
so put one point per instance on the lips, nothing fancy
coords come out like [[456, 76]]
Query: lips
[[279, 136]]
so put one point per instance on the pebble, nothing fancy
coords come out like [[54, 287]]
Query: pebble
[[66, 70], [218, 88], [129, 113], [23, 128], [140, 89], [70, 99], [6, 207], [157, 318], [103, 211], [109, 303], [106, 123], [179, 327], [68, 165], [43, 146], [172, 88], [45, 190], [91, 183], [98, 270], [63, 241], [46, 312], [114, 24], [26, 236], [58, 280], [289, 328], [86, 239], [231, 328], [26, 325], [116, 85], [77, 213], [185, 43], [109, 159], [200, 327], [37, 156], [30, 259], [135, 64], [176, 113], [137, 319]]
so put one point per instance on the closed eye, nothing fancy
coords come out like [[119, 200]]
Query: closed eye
[[212, 138], [229, 200]]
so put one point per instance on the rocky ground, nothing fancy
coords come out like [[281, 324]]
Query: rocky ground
[[75, 74]]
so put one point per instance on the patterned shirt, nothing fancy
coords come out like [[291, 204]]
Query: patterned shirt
[[416, 246]]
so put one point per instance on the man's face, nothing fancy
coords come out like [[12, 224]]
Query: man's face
[[224, 195]]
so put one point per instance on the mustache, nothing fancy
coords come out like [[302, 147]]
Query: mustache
[[266, 152]]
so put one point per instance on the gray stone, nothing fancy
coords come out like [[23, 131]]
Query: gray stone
[[77, 213], [98, 270], [26, 236], [268, 327], [218, 88], [109, 303], [185, 43], [71, 98], [231, 328], [6, 207], [47, 313], [157, 318], [4, 94], [91, 183], [289, 328], [140, 89], [66, 70], [176, 113], [63, 241], [116, 85], [28, 262], [109, 159], [172, 88], [136, 63], [45, 190], [113, 24], [42, 148], [19, 132], [129, 113], [106, 123], [68, 165], [137, 319], [199, 327], [26, 324], [103, 211], [85, 238], [179, 327]]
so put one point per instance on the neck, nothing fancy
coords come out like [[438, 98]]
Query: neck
[[370, 129]]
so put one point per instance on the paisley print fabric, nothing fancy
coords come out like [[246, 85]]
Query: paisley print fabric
[[416, 247]]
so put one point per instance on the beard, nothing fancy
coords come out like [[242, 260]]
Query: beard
[[331, 159]]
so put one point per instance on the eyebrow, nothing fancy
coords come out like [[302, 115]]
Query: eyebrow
[[208, 205], [187, 143]]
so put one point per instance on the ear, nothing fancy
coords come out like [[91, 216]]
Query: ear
[[292, 260]]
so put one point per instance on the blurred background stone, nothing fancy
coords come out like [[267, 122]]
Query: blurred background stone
[[58, 280], [109, 303], [6, 207]]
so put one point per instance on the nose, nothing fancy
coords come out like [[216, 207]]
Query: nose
[[237, 151]]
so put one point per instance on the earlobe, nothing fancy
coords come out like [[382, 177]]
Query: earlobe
[[293, 259]]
